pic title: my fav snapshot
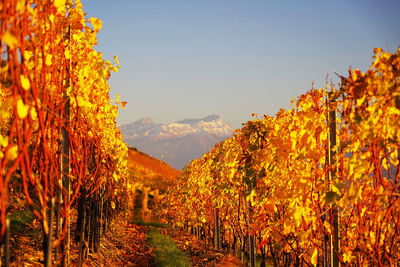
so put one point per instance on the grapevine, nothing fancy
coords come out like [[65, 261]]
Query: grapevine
[[271, 179], [53, 80]]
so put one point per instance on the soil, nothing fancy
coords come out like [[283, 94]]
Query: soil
[[123, 244]]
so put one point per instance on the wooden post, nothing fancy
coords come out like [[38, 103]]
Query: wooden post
[[92, 223], [7, 244], [65, 163], [82, 230], [57, 218], [331, 160], [325, 258], [47, 237], [65, 179], [252, 241], [87, 227], [101, 223], [95, 223], [217, 235]]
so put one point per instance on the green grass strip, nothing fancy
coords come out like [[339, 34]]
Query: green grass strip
[[19, 219], [166, 251]]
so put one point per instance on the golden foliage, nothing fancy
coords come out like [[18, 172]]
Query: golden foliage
[[272, 176]]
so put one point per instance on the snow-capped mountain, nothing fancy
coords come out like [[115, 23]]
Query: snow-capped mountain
[[179, 142]]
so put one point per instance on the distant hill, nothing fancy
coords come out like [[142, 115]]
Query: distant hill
[[179, 142], [150, 171]]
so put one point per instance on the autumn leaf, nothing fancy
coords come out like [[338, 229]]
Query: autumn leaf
[[314, 257], [22, 109], [3, 141], [116, 59], [123, 104], [59, 3], [49, 59], [12, 153], [25, 82], [21, 6], [9, 39], [33, 114], [97, 24]]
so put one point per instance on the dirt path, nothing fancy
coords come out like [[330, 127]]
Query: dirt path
[[124, 244], [200, 253]]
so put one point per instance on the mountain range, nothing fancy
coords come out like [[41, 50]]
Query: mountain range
[[179, 142]]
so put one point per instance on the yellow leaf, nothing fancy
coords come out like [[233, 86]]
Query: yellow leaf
[[314, 257], [327, 226], [25, 82], [297, 216], [115, 176], [116, 59], [22, 109], [385, 164], [9, 39], [21, 6], [3, 141], [33, 114], [360, 100], [96, 24], [60, 5], [27, 55], [51, 18], [292, 102], [347, 256], [113, 205], [372, 237], [286, 229], [67, 54], [12, 153], [49, 59]]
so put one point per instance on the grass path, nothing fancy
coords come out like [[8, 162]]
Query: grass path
[[173, 248], [167, 253]]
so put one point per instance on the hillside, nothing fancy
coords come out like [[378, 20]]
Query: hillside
[[150, 171]]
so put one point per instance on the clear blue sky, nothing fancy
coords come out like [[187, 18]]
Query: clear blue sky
[[190, 58]]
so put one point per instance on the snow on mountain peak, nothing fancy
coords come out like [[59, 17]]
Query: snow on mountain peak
[[209, 118], [179, 141], [146, 128], [146, 120]]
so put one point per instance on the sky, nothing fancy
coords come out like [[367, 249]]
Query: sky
[[192, 58]]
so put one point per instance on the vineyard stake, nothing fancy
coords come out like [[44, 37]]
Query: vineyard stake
[[57, 215], [47, 241], [7, 244], [217, 235], [82, 229], [65, 164], [252, 241], [331, 160]]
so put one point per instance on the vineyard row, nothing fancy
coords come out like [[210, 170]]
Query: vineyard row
[[59, 143], [317, 184]]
